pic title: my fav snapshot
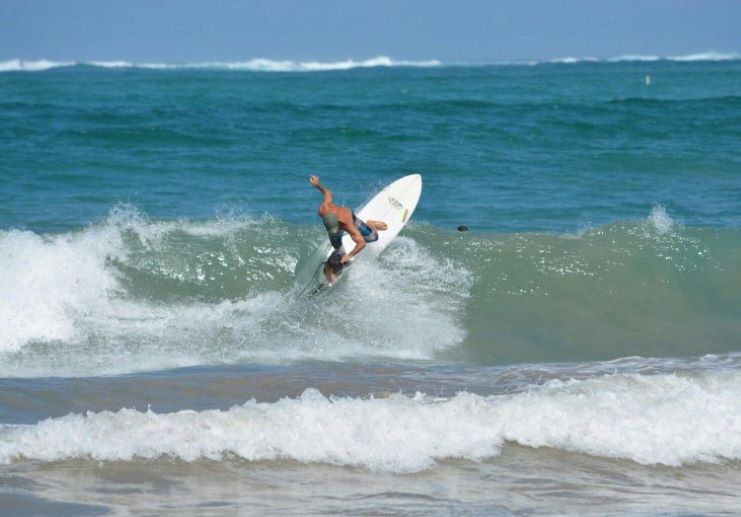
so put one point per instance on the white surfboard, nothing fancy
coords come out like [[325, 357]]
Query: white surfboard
[[393, 205]]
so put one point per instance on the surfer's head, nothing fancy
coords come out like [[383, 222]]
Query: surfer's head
[[335, 261], [333, 266]]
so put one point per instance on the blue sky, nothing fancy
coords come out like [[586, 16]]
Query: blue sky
[[456, 30]]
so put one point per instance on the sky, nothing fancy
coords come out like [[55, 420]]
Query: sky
[[175, 31]]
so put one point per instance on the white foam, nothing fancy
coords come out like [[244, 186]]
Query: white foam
[[660, 220], [254, 65], [22, 65], [268, 65], [46, 281], [111, 64], [701, 56], [662, 419], [634, 57], [707, 56], [272, 65], [571, 60]]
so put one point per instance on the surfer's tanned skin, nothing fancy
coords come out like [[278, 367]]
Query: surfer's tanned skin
[[345, 220]]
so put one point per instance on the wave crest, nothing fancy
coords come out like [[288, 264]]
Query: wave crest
[[617, 416], [132, 294], [253, 65], [272, 65]]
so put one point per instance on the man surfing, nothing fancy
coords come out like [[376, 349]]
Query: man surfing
[[338, 220]]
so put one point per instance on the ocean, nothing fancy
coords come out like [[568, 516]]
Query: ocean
[[578, 350]]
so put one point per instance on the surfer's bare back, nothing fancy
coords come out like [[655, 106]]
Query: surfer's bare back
[[338, 220]]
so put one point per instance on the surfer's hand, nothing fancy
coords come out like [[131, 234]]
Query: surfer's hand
[[314, 180], [345, 258]]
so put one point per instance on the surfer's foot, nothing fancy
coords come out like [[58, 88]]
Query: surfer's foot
[[377, 225]]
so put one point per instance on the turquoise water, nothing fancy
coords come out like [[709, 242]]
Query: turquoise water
[[152, 222]]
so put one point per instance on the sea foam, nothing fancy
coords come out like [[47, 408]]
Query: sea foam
[[650, 419], [660, 220], [254, 65], [641, 58], [22, 65]]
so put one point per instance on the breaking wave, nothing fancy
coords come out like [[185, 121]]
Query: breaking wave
[[271, 65], [631, 417], [131, 294], [254, 65]]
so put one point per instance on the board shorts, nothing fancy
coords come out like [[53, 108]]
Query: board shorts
[[368, 233]]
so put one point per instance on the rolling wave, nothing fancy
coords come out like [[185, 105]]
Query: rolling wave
[[130, 294], [253, 65], [686, 58], [631, 417]]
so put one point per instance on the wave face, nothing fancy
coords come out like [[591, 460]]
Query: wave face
[[650, 288], [132, 294], [631, 417]]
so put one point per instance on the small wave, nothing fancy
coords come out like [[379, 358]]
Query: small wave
[[272, 65], [21, 65], [571, 60], [111, 64], [634, 57], [268, 65], [253, 65], [707, 56], [647, 58], [630, 417]]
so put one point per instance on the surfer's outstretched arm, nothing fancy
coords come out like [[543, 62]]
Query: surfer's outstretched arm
[[314, 180]]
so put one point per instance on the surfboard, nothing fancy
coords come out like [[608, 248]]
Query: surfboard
[[394, 205]]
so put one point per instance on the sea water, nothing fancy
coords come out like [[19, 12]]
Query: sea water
[[578, 350]]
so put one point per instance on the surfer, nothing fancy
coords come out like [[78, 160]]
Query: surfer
[[338, 220]]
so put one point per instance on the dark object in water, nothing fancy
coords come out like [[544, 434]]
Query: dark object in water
[[463, 228]]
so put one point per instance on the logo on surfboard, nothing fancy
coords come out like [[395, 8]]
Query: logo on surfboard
[[395, 203]]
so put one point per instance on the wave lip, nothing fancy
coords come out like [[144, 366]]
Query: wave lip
[[626, 416]]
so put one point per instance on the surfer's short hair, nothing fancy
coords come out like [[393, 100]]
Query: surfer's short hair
[[335, 260]]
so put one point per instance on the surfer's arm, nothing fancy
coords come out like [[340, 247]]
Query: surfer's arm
[[314, 180], [359, 245]]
